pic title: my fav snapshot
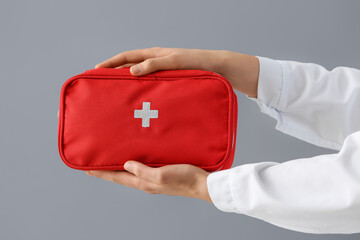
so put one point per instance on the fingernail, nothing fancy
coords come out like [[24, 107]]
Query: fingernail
[[88, 172], [136, 69], [128, 166]]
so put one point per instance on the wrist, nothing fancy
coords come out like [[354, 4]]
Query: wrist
[[245, 71], [209, 60], [201, 189], [219, 60], [251, 76], [241, 70]]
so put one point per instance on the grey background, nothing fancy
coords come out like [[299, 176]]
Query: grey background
[[43, 43]]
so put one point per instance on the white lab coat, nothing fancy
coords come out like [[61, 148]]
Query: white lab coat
[[315, 195]]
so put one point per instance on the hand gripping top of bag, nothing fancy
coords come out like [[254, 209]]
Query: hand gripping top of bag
[[107, 117]]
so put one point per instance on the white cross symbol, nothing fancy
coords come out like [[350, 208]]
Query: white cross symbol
[[145, 114]]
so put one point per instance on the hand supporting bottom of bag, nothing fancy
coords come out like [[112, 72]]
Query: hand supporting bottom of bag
[[179, 179]]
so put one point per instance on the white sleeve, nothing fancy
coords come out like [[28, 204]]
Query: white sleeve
[[309, 102], [313, 195]]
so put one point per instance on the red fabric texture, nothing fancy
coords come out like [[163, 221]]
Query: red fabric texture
[[196, 122]]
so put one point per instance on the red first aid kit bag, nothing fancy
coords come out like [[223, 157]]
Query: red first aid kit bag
[[107, 117]]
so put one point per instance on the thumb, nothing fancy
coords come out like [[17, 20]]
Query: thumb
[[152, 65], [141, 170]]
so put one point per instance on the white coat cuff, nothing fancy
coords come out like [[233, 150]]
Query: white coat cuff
[[218, 184], [270, 82]]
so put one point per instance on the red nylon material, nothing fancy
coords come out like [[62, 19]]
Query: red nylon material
[[196, 123]]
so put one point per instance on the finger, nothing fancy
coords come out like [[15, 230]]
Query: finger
[[124, 177], [126, 65], [127, 179], [133, 56], [143, 172], [154, 64]]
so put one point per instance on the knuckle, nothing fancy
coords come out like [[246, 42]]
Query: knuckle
[[156, 48], [138, 172], [175, 51], [175, 60], [178, 51], [149, 63]]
